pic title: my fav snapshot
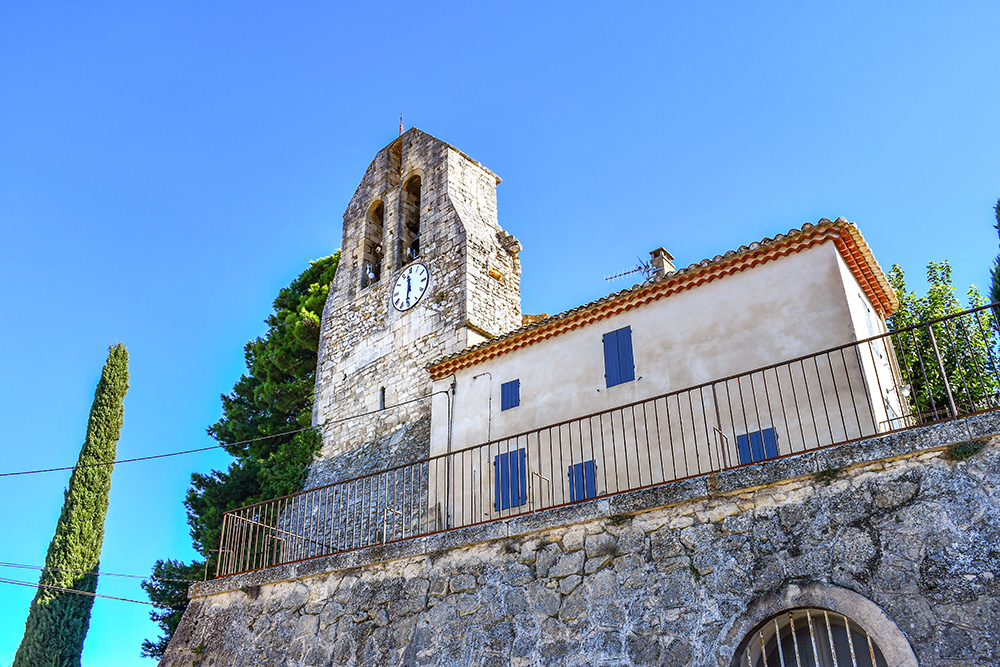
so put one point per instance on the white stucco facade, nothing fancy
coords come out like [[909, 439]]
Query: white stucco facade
[[770, 304]]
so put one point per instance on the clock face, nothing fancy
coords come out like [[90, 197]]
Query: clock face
[[410, 286]]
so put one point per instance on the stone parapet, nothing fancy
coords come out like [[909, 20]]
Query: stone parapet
[[670, 575]]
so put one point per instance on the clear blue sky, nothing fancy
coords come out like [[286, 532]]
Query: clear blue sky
[[166, 167]]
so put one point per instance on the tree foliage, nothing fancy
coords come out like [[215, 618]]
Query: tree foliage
[[966, 346], [272, 399], [58, 621], [168, 588]]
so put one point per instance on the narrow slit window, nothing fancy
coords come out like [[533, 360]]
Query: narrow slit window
[[619, 366], [510, 480], [510, 395]]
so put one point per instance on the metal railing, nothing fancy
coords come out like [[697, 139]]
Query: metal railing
[[932, 371]]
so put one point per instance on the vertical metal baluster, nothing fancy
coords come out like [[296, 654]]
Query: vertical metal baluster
[[777, 639], [784, 412], [822, 395], [944, 375], [763, 648], [960, 361], [836, 393], [923, 371], [812, 411], [708, 431], [850, 641], [989, 353], [854, 397], [732, 423], [746, 424], [795, 640], [694, 431], [812, 637], [878, 382], [871, 649], [649, 449], [723, 454], [798, 412], [829, 636], [670, 436], [756, 415], [614, 450], [680, 429], [770, 410]]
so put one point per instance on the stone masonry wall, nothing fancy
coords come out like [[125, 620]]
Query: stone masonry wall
[[662, 576]]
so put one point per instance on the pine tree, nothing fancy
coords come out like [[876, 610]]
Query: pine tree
[[274, 396], [58, 621]]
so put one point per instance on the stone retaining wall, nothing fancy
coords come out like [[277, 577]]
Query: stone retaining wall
[[673, 575]]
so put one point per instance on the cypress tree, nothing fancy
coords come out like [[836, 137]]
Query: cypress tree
[[995, 273], [58, 621]]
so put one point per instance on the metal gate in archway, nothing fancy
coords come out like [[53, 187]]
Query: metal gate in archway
[[808, 637]]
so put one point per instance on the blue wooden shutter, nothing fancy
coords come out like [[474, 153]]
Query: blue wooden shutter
[[757, 446], [611, 362], [770, 438], [619, 365], [511, 475], [627, 364], [582, 483], [510, 394]]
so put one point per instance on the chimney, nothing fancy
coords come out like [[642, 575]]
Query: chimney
[[662, 262]]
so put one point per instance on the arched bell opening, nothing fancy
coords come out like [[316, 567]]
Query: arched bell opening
[[371, 253]]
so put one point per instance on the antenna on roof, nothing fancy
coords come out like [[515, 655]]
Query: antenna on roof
[[645, 268]]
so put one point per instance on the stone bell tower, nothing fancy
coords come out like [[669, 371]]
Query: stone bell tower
[[425, 271]]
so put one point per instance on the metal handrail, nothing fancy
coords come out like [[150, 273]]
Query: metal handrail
[[876, 385]]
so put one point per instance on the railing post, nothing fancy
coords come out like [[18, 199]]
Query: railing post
[[222, 542], [944, 376]]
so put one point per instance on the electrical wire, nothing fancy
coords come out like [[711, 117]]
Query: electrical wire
[[228, 444], [18, 582], [101, 574]]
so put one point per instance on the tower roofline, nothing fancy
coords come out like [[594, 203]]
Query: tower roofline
[[413, 132]]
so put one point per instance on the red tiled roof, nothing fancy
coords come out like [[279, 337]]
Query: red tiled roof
[[845, 235]]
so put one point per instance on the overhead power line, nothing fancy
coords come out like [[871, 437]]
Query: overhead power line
[[228, 444], [101, 574], [18, 582]]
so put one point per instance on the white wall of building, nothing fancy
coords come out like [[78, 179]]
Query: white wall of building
[[785, 308]]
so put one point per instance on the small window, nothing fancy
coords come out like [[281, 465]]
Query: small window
[[381, 398], [511, 477], [618, 364], [757, 446], [582, 484], [510, 395]]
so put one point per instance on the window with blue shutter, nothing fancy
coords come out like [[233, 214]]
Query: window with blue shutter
[[510, 480], [757, 446], [582, 482], [618, 363], [510, 395]]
